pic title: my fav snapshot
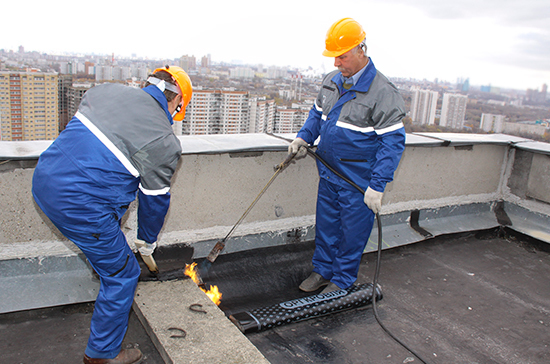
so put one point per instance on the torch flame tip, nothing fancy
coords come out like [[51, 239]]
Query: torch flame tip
[[213, 293]]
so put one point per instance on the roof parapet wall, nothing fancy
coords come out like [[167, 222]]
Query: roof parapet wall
[[445, 183]]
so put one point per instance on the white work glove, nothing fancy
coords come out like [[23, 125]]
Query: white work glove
[[298, 147], [373, 199], [145, 249]]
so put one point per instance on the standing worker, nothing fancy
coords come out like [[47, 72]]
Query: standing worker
[[358, 115], [119, 144]]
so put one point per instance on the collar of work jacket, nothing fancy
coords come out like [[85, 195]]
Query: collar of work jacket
[[364, 82], [161, 99]]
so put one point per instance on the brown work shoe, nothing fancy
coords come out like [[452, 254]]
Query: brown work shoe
[[313, 282], [126, 356], [330, 288]]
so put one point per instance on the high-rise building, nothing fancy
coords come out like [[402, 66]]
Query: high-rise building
[[74, 96], [535, 96], [453, 110], [188, 63], [463, 84], [28, 106], [104, 73], [241, 72], [262, 115], [276, 72], [216, 112], [492, 122], [88, 67], [206, 62], [423, 106], [289, 120], [63, 84], [70, 95], [235, 112]]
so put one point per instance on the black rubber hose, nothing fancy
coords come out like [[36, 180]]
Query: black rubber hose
[[378, 256]]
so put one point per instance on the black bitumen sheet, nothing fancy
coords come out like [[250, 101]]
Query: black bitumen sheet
[[464, 298]]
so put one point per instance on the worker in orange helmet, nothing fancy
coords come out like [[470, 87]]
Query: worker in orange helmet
[[119, 145], [358, 115]]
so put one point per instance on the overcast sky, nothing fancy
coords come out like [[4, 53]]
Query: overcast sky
[[505, 43]]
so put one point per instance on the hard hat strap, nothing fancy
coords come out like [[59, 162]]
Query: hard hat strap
[[163, 85]]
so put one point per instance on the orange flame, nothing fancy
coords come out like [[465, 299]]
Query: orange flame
[[213, 293]]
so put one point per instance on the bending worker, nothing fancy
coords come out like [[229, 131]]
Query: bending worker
[[358, 115], [119, 144]]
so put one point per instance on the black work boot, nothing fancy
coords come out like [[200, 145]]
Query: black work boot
[[313, 282]]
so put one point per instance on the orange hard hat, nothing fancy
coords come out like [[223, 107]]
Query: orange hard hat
[[185, 86], [343, 36]]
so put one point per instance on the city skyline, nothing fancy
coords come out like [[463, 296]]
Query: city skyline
[[501, 43]]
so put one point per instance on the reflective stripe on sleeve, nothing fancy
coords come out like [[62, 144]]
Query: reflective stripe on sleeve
[[390, 128], [162, 191], [109, 144], [341, 124], [317, 107]]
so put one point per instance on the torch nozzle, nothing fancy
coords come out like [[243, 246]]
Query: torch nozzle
[[216, 250], [284, 163]]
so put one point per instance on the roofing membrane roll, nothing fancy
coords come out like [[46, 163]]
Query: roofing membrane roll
[[305, 308]]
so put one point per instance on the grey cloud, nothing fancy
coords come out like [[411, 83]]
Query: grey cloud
[[530, 17], [534, 13], [532, 52]]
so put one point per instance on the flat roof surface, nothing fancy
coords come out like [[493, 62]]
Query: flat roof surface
[[463, 298]]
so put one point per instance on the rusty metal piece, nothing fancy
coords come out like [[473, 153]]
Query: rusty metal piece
[[197, 307], [182, 334], [220, 245]]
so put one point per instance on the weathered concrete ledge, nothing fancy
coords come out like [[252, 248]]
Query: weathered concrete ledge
[[205, 337]]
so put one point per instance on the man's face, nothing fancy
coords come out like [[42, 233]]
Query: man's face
[[350, 62]]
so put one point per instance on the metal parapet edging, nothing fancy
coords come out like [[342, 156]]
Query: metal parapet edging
[[409, 227], [54, 280], [528, 222], [455, 219]]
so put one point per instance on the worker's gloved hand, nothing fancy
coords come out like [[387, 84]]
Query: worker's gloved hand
[[373, 199], [145, 248], [298, 147]]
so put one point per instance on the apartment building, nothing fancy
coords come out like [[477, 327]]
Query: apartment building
[[64, 82], [453, 110], [423, 106], [262, 115], [235, 112], [28, 106], [492, 122], [188, 63], [289, 120], [216, 112]]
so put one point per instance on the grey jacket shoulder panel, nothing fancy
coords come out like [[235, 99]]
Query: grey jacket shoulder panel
[[329, 93], [138, 127], [380, 107], [388, 104]]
